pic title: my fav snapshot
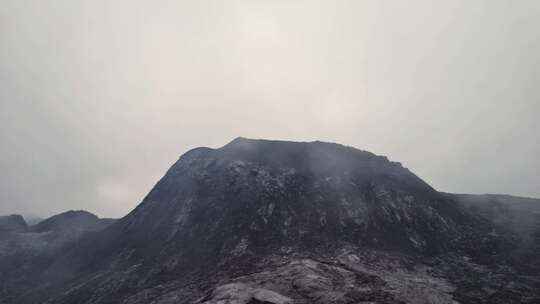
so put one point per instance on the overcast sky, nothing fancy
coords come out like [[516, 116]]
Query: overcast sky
[[99, 98]]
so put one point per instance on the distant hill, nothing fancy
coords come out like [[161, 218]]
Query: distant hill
[[12, 223], [70, 221]]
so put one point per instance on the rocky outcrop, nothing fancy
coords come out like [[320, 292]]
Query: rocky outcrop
[[241, 293]]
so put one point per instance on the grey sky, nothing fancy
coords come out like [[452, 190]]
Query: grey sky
[[99, 98]]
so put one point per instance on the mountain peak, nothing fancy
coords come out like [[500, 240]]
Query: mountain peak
[[12, 223], [69, 220], [244, 142]]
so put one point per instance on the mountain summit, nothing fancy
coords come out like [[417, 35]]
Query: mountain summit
[[260, 221], [12, 223], [264, 196]]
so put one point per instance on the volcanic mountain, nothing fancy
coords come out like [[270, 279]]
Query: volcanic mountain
[[11, 223], [260, 221]]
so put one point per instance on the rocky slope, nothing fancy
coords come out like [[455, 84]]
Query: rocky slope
[[26, 250], [261, 221]]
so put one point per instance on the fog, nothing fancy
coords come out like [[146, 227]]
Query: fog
[[99, 98]]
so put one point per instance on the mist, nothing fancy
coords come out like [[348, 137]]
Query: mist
[[99, 98]]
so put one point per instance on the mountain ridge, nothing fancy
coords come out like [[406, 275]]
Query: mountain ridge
[[13, 222], [259, 221]]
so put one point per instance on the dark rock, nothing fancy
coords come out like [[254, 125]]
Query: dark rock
[[71, 221], [261, 221], [26, 252], [12, 223]]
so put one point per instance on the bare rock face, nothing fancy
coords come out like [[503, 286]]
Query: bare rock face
[[261, 221], [241, 293]]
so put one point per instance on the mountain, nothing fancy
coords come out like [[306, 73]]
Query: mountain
[[12, 223], [72, 221], [24, 250], [260, 221]]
